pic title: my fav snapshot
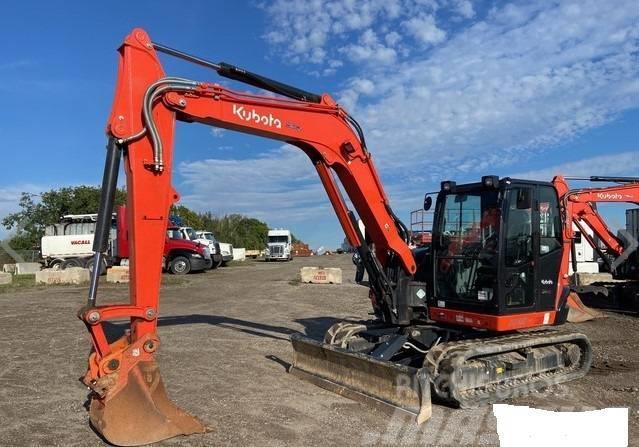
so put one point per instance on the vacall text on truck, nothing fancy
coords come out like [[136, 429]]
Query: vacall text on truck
[[278, 247], [69, 242]]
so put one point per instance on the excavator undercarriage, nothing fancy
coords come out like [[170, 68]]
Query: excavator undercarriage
[[394, 368]]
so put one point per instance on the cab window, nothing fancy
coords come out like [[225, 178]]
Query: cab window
[[549, 221]]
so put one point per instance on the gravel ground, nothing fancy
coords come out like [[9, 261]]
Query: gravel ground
[[225, 344]]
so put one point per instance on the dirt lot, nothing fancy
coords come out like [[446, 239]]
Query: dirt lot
[[225, 341]]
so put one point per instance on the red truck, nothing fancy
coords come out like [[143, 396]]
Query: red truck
[[69, 244]]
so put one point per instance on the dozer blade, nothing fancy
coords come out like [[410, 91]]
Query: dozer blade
[[140, 412], [389, 387], [578, 312]]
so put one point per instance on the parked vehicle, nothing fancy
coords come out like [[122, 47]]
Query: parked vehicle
[[189, 233], [278, 246], [185, 255], [253, 254], [69, 244], [225, 249]]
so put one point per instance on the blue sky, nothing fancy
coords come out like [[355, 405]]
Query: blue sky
[[443, 88]]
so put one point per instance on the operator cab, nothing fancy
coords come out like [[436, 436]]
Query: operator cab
[[496, 248]]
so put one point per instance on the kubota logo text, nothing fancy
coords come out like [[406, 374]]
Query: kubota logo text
[[252, 115], [609, 196]]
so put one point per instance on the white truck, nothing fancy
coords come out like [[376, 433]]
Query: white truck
[[189, 234], [225, 249], [278, 246], [221, 252], [69, 243]]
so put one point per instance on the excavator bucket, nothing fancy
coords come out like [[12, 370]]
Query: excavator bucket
[[578, 312], [390, 387], [140, 412]]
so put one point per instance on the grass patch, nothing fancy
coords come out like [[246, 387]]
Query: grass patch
[[20, 282]]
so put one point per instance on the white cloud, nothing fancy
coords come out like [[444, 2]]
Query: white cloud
[[494, 87], [621, 164], [424, 30], [280, 185], [312, 31], [526, 77], [465, 8], [369, 50], [217, 132]]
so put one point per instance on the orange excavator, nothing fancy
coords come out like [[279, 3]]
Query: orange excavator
[[469, 317], [617, 251]]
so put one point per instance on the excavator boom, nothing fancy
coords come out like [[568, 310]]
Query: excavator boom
[[127, 391]]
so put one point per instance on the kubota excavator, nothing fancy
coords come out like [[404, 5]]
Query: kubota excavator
[[468, 317], [618, 252]]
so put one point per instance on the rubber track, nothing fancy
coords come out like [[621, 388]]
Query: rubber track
[[443, 361]]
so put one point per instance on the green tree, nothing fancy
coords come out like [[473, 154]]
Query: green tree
[[32, 218], [236, 229]]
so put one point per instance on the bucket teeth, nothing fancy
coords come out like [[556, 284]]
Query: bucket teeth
[[140, 412]]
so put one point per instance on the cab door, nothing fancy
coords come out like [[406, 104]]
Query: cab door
[[550, 246], [519, 238]]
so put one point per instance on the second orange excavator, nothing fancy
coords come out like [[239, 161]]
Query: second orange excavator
[[474, 317]]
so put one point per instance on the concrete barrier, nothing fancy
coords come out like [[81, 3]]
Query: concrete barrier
[[73, 275], [9, 268], [239, 254], [118, 274], [6, 278], [27, 268], [318, 275]]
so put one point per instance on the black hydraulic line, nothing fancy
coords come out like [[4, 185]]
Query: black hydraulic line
[[376, 277], [599, 178], [245, 76], [105, 214], [403, 230], [358, 129], [185, 56], [239, 74]]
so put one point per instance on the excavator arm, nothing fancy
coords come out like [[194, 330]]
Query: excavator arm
[[579, 208], [127, 392]]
